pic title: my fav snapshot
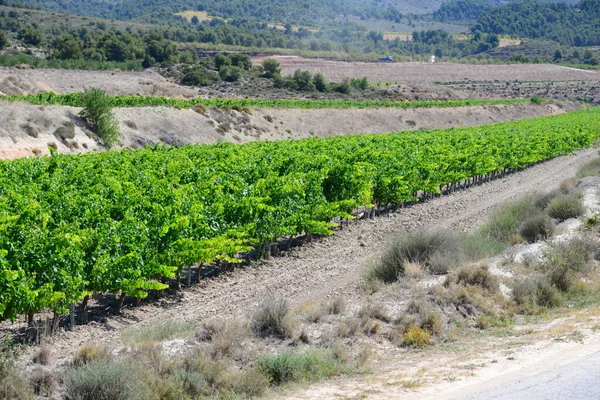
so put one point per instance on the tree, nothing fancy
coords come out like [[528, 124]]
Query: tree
[[271, 67], [195, 20], [320, 83], [231, 73], [303, 81], [3, 40], [558, 55], [31, 36], [241, 60], [221, 60], [97, 113], [66, 47]]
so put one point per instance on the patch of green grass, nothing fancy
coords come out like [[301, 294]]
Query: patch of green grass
[[312, 366], [158, 332]]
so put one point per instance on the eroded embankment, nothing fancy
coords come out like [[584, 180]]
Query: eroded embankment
[[27, 130]]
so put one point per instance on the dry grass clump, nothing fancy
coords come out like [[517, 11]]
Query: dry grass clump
[[422, 314], [436, 252], [336, 306], [12, 386], [89, 352], [225, 336], [474, 276], [273, 317], [43, 356], [416, 337], [374, 311], [42, 382], [590, 169], [565, 207], [568, 185]]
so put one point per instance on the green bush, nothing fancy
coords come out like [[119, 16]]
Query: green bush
[[199, 76], [312, 366], [564, 262], [531, 294], [565, 207], [231, 73], [537, 100], [102, 379], [477, 246], [539, 226], [504, 223], [97, 113]]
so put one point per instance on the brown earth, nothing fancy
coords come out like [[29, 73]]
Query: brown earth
[[147, 83], [424, 72], [26, 130], [327, 267]]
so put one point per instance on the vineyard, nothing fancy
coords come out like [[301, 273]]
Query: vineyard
[[75, 100], [126, 222]]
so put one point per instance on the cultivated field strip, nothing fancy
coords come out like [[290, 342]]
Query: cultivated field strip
[[122, 222], [75, 100]]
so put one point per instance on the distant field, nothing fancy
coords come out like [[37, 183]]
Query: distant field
[[403, 27], [439, 72], [202, 15]]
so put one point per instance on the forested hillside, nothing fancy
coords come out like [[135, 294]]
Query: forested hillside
[[577, 25]]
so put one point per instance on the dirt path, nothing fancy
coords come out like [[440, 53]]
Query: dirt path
[[327, 267]]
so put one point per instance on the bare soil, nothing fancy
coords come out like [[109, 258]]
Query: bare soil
[[327, 267], [27, 130], [424, 72]]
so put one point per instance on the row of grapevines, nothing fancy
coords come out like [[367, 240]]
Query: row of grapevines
[[124, 221], [74, 100]]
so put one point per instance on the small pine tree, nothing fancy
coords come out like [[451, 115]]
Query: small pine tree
[[97, 113]]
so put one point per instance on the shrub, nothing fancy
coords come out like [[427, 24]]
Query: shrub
[[506, 221], [374, 311], [221, 61], [336, 306], [437, 252], [42, 382], [199, 76], [537, 100], [320, 83], [12, 386], [97, 113], [564, 207], [158, 332], [271, 68], [542, 199], [65, 131], [537, 227], [311, 366], [88, 353], [273, 318], [477, 246], [231, 73], [416, 337], [590, 169], [563, 262], [101, 379], [474, 276], [533, 293], [43, 356]]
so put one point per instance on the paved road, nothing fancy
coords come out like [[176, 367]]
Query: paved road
[[578, 380]]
